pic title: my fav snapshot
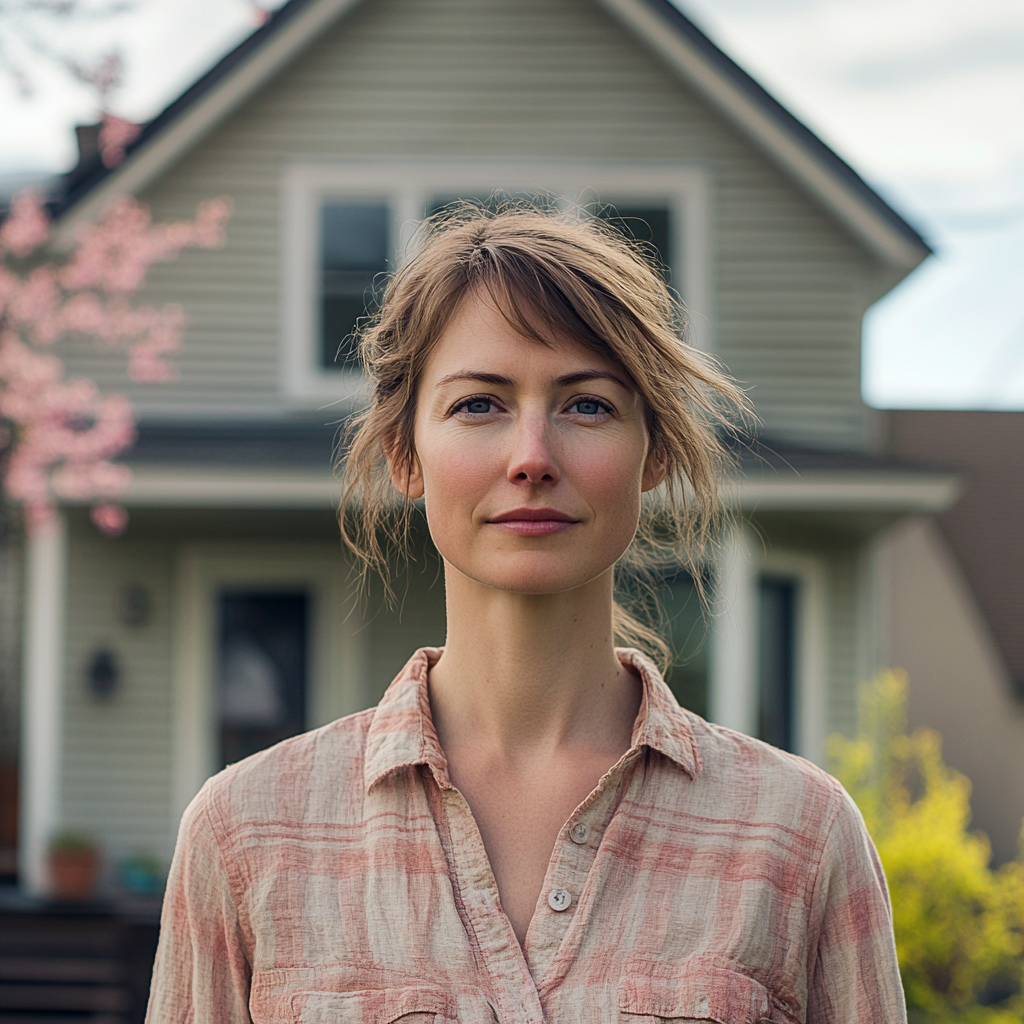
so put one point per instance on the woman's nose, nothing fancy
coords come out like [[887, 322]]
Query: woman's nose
[[532, 460]]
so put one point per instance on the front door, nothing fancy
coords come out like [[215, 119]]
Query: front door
[[262, 656]]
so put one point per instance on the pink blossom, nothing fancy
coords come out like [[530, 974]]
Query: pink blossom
[[26, 227], [260, 15], [110, 519], [115, 134], [63, 434]]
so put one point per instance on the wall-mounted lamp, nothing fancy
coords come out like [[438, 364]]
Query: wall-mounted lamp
[[102, 673]]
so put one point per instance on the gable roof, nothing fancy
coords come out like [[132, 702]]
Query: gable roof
[[660, 24]]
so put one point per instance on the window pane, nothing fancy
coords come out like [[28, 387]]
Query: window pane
[[262, 691], [648, 224], [687, 636], [354, 255], [777, 661]]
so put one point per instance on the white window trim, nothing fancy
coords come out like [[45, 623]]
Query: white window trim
[[337, 676], [810, 696], [733, 691], [408, 186]]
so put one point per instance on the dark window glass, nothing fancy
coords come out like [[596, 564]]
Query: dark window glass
[[648, 224], [777, 661], [262, 673], [354, 257], [687, 636]]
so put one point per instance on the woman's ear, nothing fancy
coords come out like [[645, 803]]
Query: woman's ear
[[406, 477], [655, 471]]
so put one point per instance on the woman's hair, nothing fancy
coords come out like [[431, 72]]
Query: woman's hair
[[551, 275]]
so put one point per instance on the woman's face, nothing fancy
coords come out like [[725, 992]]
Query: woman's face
[[531, 457]]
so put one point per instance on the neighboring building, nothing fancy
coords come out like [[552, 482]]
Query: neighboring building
[[223, 616], [952, 601]]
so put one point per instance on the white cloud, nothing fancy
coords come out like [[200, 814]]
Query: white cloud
[[925, 100]]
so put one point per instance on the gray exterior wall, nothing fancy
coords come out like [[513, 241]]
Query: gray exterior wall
[[116, 770], [117, 752], [492, 79]]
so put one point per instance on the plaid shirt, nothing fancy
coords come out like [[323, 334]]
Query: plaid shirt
[[339, 876]]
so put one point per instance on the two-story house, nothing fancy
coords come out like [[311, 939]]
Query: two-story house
[[223, 620]]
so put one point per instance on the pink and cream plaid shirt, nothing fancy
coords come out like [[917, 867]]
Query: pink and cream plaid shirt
[[340, 877]]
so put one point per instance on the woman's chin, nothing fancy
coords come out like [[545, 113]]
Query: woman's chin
[[532, 580]]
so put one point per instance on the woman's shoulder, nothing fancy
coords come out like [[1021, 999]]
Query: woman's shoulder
[[744, 778], [292, 778]]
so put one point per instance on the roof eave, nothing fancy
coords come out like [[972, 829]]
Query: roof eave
[[200, 108], [665, 29], [740, 98]]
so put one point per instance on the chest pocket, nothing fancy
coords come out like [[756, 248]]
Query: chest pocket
[[409, 1004], [652, 993]]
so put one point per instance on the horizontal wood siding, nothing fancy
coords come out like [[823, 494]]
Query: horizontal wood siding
[[489, 79], [116, 773]]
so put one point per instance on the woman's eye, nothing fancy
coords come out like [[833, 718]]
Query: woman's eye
[[589, 407], [475, 406]]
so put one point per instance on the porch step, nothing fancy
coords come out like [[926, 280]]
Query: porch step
[[74, 965]]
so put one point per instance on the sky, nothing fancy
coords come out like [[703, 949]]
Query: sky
[[925, 98]]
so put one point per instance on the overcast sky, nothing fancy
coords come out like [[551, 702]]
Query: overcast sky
[[924, 97]]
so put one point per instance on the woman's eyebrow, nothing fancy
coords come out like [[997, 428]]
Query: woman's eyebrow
[[477, 375], [581, 376], [567, 380]]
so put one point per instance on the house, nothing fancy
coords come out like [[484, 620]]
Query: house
[[952, 599], [222, 620]]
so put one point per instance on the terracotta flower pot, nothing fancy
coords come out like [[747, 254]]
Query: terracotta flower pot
[[73, 873]]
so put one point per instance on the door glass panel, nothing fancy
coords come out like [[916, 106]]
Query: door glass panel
[[262, 670], [777, 661], [354, 259]]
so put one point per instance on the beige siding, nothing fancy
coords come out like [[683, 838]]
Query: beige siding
[[117, 771], [544, 79], [117, 751]]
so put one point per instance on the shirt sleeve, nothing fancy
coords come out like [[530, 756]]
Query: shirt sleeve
[[854, 974], [202, 971]]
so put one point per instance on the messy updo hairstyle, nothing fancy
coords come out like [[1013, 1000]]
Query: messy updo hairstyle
[[552, 276]]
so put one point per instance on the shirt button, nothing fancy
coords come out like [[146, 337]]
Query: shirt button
[[578, 832], [559, 899]]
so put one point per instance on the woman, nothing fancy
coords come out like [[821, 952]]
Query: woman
[[528, 827]]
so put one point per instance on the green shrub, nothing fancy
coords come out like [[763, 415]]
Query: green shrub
[[959, 925], [72, 842]]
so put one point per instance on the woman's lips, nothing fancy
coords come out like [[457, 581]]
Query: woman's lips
[[533, 522]]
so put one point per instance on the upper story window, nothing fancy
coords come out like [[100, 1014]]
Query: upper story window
[[345, 228], [355, 253]]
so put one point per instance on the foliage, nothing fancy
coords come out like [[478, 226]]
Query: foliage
[[73, 842], [61, 435], [959, 925]]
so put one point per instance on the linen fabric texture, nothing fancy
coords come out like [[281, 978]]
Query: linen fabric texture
[[340, 877]]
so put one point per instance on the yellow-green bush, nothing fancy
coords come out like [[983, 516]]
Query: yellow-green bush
[[959, 924]]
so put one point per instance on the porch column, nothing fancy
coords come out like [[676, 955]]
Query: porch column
[[732, 693], [41, 702]]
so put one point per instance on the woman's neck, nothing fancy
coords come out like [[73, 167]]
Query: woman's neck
[[528, 675]]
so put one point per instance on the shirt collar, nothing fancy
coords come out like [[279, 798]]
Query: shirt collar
[[402, 733]]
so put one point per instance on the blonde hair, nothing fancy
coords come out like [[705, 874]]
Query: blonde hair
[[550, 275]]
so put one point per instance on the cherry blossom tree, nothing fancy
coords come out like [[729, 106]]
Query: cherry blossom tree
[[60, 436]]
